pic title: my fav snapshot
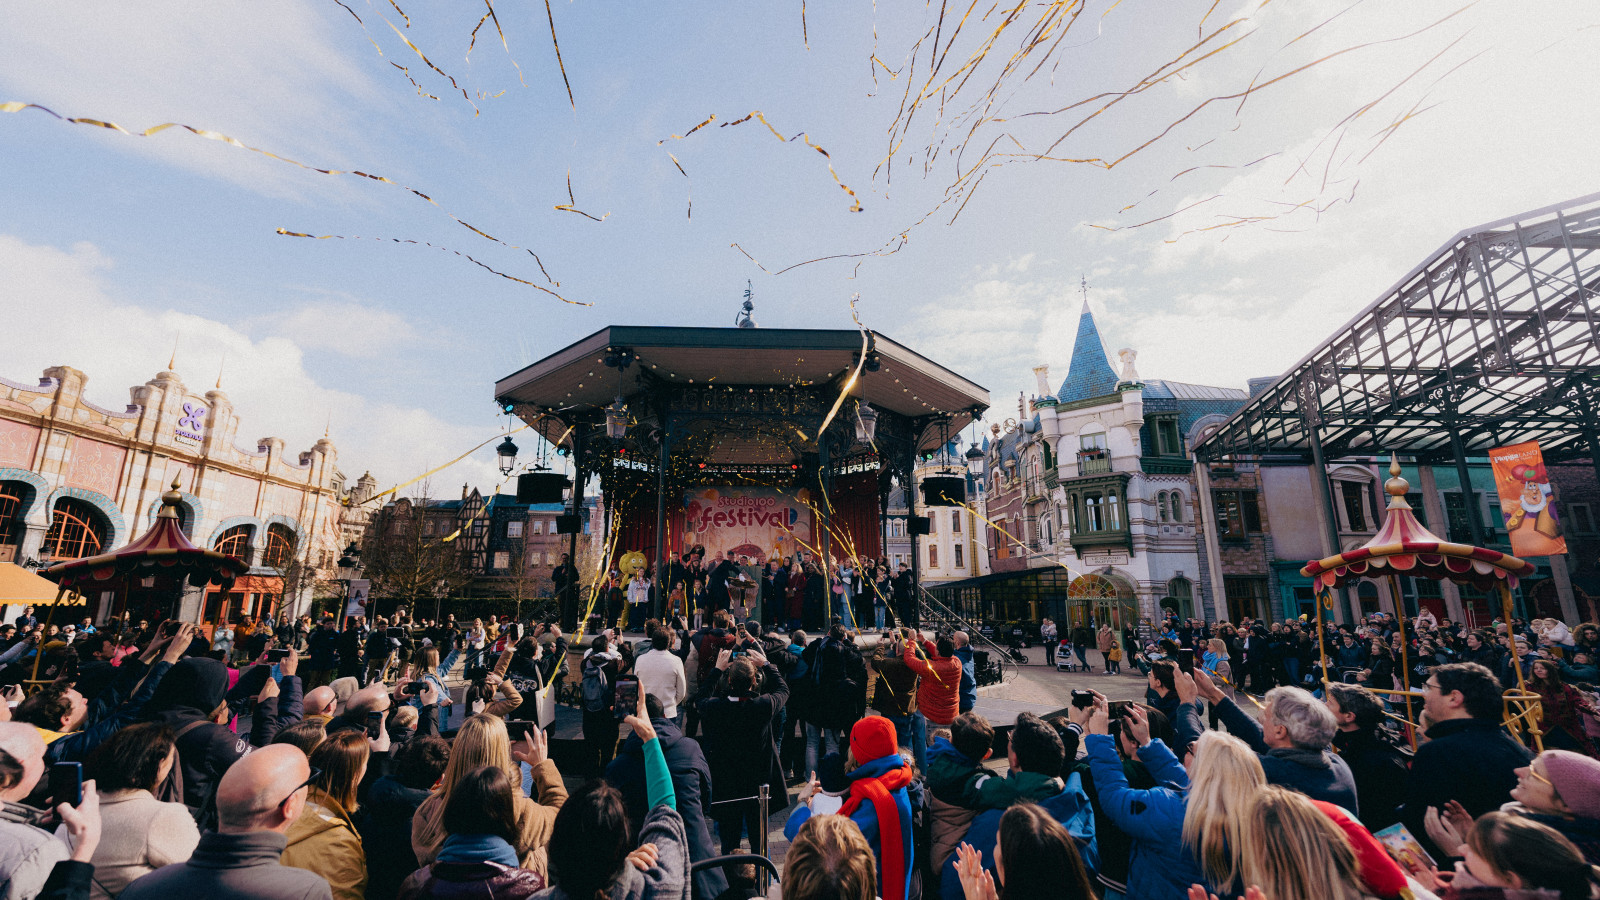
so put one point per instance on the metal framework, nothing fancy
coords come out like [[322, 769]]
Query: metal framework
[[1493, 339]]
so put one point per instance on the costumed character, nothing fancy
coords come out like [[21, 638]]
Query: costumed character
[[635, 584], [1533, 523]]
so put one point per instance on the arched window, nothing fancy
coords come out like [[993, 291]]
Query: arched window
[[280, 547], [77, 530], [1176, 500], [1113, 512], [1161, 505], [12, 495], [235, 541]]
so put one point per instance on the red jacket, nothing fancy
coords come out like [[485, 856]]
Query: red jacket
[[941, 678]]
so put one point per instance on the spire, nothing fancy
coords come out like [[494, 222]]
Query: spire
[[1089, 374], [219, 370], [172, 362]]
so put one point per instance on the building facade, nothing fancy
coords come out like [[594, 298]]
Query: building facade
[[77, 479]]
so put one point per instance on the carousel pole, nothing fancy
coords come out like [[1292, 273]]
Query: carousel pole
[[1522, 688], [38, 653], [1405, 656], [1323, 596]]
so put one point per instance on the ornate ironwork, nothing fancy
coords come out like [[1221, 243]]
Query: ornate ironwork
[[1495, 336]]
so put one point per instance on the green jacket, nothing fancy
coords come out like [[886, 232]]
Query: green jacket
[[987, 791]]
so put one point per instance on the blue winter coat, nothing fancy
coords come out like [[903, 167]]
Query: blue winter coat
[[866, 818], [1160, 867], [1071, 808]]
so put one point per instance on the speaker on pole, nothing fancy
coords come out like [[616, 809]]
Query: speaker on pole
[[944, 490], [542, 487], [919, 525]]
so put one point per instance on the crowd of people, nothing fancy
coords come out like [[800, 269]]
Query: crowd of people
[[326, 765]]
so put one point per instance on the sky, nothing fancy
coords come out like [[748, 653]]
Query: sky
[[1228, 239]]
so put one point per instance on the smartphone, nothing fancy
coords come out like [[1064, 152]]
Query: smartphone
[[1119, 708], [66, 783], [374, 724], [627, 702], [278, 655], [1186, 660], [1082, 699], [171, 628], [415, 688], [518, 729]]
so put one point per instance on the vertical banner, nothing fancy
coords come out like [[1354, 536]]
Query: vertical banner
[[355, 603], [1525, 501], [748, 525]]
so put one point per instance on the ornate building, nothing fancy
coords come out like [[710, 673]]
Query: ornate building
[[1092, 496], [77, 479]]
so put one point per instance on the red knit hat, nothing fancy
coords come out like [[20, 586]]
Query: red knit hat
[[873, 738]]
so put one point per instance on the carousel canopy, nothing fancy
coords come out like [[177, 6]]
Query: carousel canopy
[[20, 587], [1404, 547], [163, 550], [580, 377]]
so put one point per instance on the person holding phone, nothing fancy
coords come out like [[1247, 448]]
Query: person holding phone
[[738, 705]]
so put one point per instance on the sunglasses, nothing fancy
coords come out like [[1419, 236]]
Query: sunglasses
[[315, 774]]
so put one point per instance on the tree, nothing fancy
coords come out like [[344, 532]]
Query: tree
[[522, 582], [405, 562]]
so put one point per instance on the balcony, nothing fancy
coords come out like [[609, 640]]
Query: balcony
[[1094, 462]]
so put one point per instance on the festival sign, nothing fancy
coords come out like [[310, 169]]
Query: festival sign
[[1525, 500], [753, 522]]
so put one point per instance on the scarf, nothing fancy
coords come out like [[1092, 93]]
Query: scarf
[[476, 848], [876, 782]]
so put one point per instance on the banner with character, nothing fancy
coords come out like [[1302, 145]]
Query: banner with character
[[1526, 501]]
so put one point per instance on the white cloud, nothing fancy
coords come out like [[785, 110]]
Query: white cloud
[[343, 325], [272, 76], [64, 294]]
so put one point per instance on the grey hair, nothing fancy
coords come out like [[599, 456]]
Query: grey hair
[[1309, 722]]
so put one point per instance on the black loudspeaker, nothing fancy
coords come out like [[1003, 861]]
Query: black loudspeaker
[[916, 525], [541, 487], [944, 490], [568, 524]]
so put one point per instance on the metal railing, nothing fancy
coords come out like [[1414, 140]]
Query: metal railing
[[933, 611]]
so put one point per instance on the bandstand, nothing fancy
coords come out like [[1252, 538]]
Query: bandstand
[[755, 443]]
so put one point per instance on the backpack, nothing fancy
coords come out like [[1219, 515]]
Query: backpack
[[596, 693]]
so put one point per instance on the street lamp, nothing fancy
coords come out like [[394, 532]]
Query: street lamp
[[866, 423], [507, 454], [617, 419], [350, 562]]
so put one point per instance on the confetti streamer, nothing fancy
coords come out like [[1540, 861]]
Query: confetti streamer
[[557, 44], [849, 383], [437, 469], [690, 213], [19, 106], [572, 203], [420, 55], [490, 15], [356, 237], [758, 116]]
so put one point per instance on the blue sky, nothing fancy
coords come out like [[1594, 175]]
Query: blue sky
[[115, 246]]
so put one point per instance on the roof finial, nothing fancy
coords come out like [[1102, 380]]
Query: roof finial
[[1083, 285], [172, 362], [170, 501], [328, 428], [1396, 486], [219, 370]]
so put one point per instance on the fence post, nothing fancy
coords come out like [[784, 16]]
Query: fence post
[[762, 793]]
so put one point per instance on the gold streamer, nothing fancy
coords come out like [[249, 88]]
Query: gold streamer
[[356, 237], [557, 44], [855, 205], [19, 106], [572, 204], [437, 469]]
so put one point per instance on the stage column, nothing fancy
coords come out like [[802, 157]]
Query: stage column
[[662, 565], [569, 603]]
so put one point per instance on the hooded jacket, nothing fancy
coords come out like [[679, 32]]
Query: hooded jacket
[[239, 866], [668, 879], [1319, 774], [323, 840], [184, 702], [1160, 866], [110, 712], [691, 784], [1067, 804]]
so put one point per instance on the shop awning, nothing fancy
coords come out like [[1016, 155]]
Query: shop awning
[[21, 587]]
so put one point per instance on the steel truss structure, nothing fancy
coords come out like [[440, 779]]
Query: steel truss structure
[[1494, 339]]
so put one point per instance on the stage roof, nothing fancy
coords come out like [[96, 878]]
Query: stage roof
[[1493, 337], [576, 378]]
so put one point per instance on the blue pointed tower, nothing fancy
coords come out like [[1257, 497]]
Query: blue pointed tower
[[1089, 374]]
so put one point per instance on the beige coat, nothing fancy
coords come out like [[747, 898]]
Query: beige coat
[[1105, 640], [535, 821], [138, 834], [323, 840]]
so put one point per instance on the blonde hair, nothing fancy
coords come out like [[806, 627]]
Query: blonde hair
[[425, 661], [1219, 647], [482, 741], [1297, 851], [830, 860], [1214, 821]]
